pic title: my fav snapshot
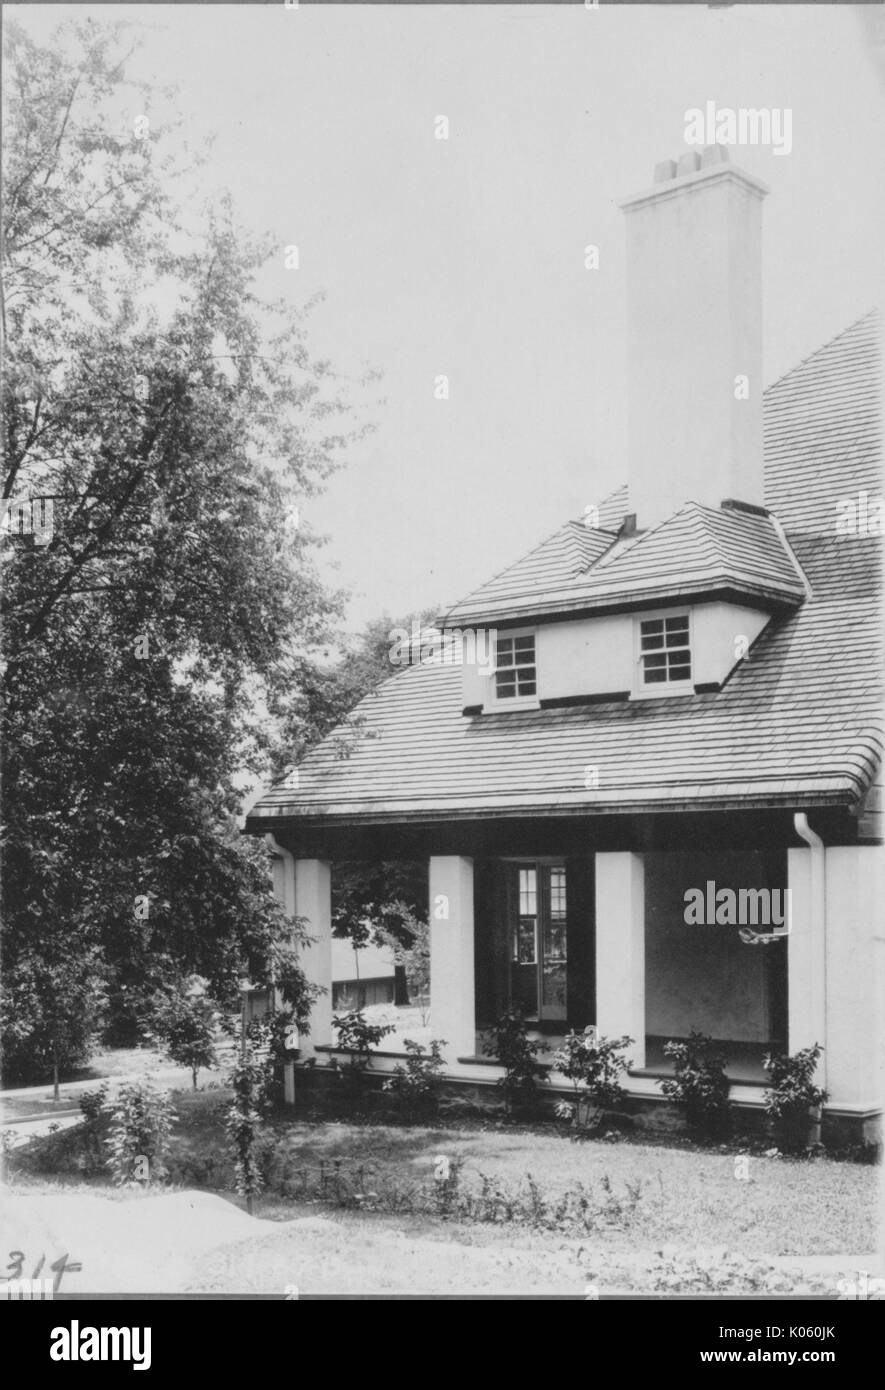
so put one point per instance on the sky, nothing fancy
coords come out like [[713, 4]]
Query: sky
[[464, 257]]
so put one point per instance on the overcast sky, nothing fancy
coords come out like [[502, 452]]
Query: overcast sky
[[465, 257]]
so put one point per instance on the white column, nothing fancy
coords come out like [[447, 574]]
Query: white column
[[807, 954], [853, 1019], [313, 901], [452, 989], [620, 949]]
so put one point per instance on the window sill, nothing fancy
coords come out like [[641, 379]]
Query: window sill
[[502, 706]]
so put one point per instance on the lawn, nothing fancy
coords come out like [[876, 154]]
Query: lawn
[[686, 1197], [359, 1209]]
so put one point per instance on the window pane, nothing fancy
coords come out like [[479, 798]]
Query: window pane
[[654, 660], [528, 889], [505, 684], [524, 945], [655, 677]]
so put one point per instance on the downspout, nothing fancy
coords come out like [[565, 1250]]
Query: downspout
[[817, 927]]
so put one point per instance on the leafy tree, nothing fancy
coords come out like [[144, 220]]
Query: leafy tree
[[155, 629], [186, 1025]]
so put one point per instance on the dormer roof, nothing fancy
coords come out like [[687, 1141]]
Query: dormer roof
[[700, 552]]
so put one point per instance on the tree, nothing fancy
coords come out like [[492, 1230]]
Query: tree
[[173, 420], [186, 1025]]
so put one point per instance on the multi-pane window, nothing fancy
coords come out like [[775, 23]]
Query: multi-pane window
[[665, 653], [515, 671], [525, 936]]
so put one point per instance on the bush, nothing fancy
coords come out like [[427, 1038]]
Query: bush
[[358, 1037], [699, 1087], [244, 1123], [96, 1119], [416, 1086], [516, 1052], [593, 1065], [141, 1120], [792, 1096]]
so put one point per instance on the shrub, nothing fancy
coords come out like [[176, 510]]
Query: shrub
[[699, 1087], [792, 1095], [357, 1036], [141, 1120], [516, 1052], [96, 1119], [248, 1080], [416, 1086], [593, 1065]]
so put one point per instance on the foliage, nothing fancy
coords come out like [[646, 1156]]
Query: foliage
[[512, 1048], [357, 1036], [185, 1023], [245, 1117], [699, 1087], [141, 1120], [159, 630], [793, 1094], [416, 1085], [593, 1065]]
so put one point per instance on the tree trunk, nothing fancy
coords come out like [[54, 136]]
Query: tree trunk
[[194, 1075], [55, 1075], [400, 985]]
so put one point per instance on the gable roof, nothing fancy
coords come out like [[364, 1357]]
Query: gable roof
[[797, 724]]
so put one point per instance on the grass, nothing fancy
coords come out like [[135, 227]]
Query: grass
[[688, 1197], [691, 1208]]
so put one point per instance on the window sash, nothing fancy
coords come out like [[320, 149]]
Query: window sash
[[665, 650], [515, 668]]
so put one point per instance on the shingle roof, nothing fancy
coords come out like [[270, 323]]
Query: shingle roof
[[699, 550], [823, 429], [550, 566], [796, 724]]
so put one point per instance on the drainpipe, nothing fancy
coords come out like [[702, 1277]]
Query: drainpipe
[[817, 927]]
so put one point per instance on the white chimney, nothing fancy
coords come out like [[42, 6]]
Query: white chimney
[[694, 336]]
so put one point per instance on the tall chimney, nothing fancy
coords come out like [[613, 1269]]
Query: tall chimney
[[694, 336]]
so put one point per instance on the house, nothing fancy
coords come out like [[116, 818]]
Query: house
[[361, 977], [657, 808]]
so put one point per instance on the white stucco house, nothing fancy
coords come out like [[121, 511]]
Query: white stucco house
[[684, 691]]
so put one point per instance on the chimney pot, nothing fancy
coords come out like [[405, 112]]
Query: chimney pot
[[689, 163], [714, 154], [665, 170]]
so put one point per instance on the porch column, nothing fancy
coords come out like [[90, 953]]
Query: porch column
[[452, 989], [853, 1022], [620, 949], [313, 900], [807, 954]]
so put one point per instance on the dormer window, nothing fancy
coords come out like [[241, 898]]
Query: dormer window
[[665, 653], [516, 675]]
